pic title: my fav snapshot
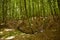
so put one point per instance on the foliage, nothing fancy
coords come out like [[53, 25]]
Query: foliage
[[31, 17]]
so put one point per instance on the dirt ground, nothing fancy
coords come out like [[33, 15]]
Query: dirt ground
[[35, 28]]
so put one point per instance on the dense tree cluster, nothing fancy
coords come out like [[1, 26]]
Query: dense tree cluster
[[30, 16]]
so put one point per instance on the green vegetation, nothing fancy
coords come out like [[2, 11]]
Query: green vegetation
[[16, 9], [39, 19]]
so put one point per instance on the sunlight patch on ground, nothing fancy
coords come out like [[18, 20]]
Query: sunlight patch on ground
[[1, 32], [9, 38], [8, 29]]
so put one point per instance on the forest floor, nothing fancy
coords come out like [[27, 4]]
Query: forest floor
[[49, 33]]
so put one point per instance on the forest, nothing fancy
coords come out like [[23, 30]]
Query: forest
[[29, 19]]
